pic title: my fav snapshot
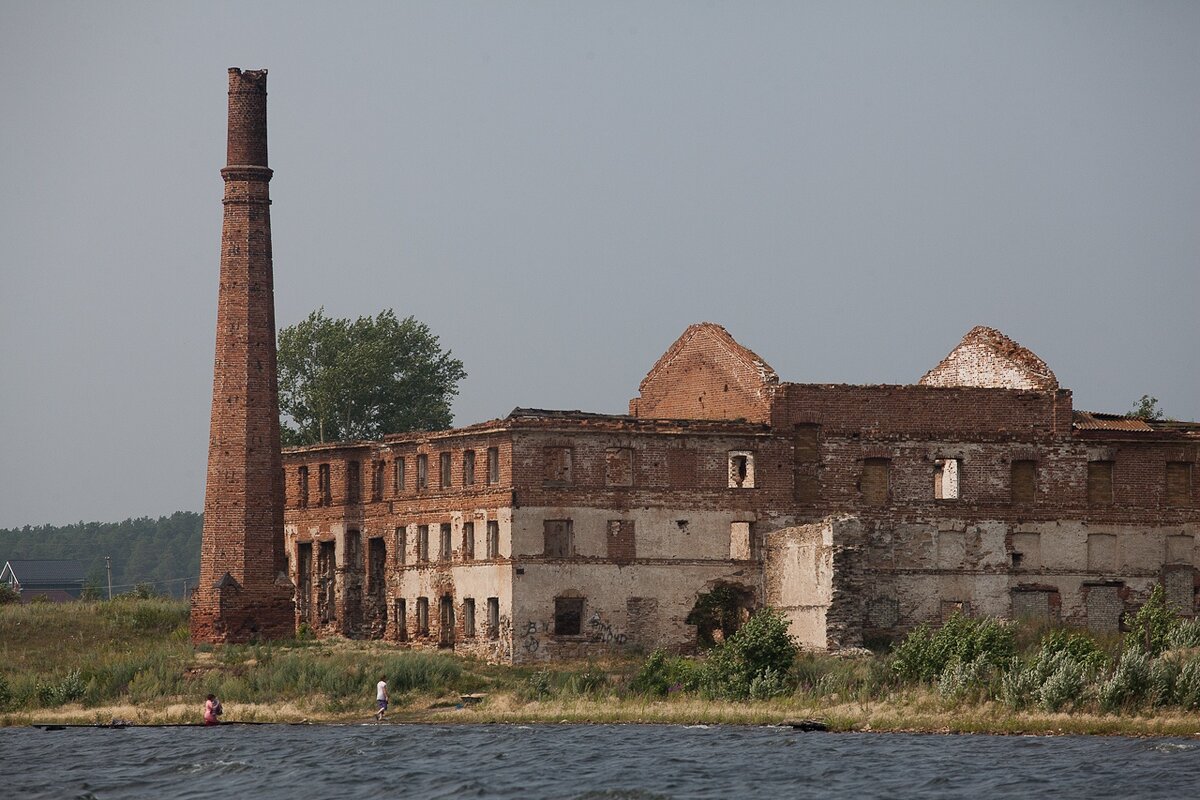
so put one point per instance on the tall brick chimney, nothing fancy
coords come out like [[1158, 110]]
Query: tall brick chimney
[[244, 592]]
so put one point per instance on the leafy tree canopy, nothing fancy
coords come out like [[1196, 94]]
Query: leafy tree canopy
[[359, 379], [1146, 408]]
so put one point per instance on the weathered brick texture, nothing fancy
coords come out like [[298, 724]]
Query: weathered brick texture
[[244, 592]]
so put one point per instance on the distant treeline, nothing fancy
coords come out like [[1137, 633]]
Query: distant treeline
[[161, 552]]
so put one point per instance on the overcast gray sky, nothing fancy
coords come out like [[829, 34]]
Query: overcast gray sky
[[559, 189]]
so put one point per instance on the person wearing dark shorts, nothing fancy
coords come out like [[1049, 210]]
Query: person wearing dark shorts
[[381, 698]]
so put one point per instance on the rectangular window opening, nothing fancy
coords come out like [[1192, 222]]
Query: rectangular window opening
[[353, 482], [874, 481], [469, 618], [946, 473], [493, 539], [493, 618], [422, 543], [398, 475], [1100, 483], [444, 470], [422, 471], [493, 465], [1024, 482], [302, 486], [323, 485], [401, 615], [423, 616], [741, 469], [468, 468], [1179, 483], [468, 543], [445, 546], [568, 616], [559, 538]]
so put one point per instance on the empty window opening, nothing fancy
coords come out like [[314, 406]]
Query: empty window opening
[[401, 615], [378, 469], [445, 545], [401, 544], [468, 541], [468, 468], [568, 616], [874, 481], [323, 485], [446, 621], [469, 618], [398, 475], [618, 466], [493, 618], [493, 465], [945, 478], [353, 550], [423, 616], [1024, 481], [422, 543], [304, 564], [302, 487], [353, 482], [493, 539], [1179, 483], [325, 582], [1100, 483], [718, 613], [741, 470], [557, 466], [422, 471], [559, 538], [376, 563], [444, 470]]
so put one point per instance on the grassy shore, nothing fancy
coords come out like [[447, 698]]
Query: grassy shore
[[132, 660]]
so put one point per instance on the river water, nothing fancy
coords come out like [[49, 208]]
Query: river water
[[584, 762]]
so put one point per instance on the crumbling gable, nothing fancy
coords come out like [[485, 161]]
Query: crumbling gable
[[706, 374], [988, 359]]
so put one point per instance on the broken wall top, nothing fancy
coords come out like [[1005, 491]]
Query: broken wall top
[[706, 374], [987, 359]]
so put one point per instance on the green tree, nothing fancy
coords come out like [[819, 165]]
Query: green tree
[[1146, 408], [359, 379]]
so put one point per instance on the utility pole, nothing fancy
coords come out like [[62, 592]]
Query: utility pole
[[108, 569]]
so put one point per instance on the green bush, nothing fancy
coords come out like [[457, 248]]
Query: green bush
[[1150, 628], [1164, 676], [1129, 684], [925, 653], [762, 644], [1064, 682], [1184, 634], [960, 679], [1079, 646], [1187, 685], [1018, 684]]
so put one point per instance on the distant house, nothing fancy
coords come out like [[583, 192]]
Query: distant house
[[57, 580]]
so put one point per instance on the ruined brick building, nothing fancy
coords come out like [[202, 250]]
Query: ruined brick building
[[859, 511]]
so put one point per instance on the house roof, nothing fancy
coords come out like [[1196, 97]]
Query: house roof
[[34, 571]]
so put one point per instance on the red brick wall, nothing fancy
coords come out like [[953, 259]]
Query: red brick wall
[[706, 375], [243, 503]]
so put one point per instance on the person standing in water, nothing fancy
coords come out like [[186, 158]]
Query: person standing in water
[[212, 710], [381, 698]]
